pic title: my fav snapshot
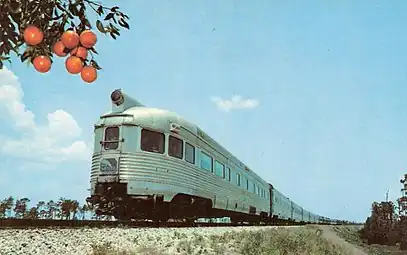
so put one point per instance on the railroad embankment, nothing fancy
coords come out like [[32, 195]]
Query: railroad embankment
[[128, 241]]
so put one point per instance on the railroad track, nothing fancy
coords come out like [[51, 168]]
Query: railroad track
[[46, 223]]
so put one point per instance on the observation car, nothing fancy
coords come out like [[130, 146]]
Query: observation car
[[150, 163]]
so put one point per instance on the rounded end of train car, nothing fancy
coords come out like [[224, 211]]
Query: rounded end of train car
[[117, 97]]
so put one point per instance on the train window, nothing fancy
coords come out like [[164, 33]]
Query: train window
[[175, 147], [247, 184], [219, 169], [258, 190], [152, 141], [254, 188], [206, 161], [237, 179], [189, 153], [111, 141], [228, 173]]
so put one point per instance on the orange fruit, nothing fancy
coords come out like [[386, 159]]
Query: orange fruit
[[70, 39], [59, 48], [89, 74], [42, 64], [33, 35], [80, 52], [73, 65], [88, 39]]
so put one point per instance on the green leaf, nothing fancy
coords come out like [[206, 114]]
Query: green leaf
[[100, 10], [109, 16], [93, 50], [25, 55], [116, 32], [95, 64], [124, 24], [100, 26]]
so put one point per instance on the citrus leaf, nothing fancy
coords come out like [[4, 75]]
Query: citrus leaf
[[109, 16], [100, 26]]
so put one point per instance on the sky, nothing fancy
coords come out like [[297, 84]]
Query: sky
[[311, 96]]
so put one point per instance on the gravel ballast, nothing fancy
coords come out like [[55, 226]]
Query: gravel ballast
[[135, 241]]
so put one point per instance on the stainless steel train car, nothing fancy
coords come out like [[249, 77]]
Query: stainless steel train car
[[150, 163]]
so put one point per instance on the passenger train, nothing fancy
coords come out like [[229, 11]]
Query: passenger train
[[152, 164]]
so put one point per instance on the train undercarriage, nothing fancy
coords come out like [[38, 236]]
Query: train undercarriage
[[112, 199]]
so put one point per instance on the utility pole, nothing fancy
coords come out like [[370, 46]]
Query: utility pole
[[387, 196]]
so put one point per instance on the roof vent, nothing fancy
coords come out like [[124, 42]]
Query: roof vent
[[174, 127], [122, 102]]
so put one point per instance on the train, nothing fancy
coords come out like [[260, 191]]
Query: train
[[153, 164]]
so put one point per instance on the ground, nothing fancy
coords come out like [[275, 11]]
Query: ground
[[254, 240], [312, 240], [350, 234]]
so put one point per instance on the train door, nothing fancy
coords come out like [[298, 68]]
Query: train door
[[110, 151]]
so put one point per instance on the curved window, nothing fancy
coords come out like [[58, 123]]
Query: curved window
[[175, 147], [111, 141], [152, 141], [108, 165], [219, 169], [206, 161], [228, 173], [189, 153], [237, 179]]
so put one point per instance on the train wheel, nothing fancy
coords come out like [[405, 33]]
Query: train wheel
[[190, 221], [234, 220], [161, 213]]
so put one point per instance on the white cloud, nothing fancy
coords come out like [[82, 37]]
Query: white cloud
[[235, 103], [38, 142]]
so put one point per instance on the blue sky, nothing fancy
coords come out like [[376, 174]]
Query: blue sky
[[327, 119]]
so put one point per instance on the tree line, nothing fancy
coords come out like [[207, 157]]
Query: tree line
[[62, 209]]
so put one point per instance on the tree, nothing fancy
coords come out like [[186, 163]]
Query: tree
[[52, 18], [41, 209], [32, 213], [52, 209], [20, 208], [83, 210], [74, 208], [8, 204]]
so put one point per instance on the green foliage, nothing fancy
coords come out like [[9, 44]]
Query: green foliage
[[53, 17]]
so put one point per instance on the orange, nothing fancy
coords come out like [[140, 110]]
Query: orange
[[73, 65], [42, 64], [33, 35], [80, 52], [88, 39], [59, 48], [70, 39], [89, 74]]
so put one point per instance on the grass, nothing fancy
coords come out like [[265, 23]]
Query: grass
[[304, 240], [351, 235]]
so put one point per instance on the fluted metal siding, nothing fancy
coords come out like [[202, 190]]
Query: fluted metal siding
[[153, 169], [281, 205]]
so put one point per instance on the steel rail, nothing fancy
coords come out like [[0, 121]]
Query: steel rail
[[48, 223]]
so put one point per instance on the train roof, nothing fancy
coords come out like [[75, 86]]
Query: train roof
[[160, 118]]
